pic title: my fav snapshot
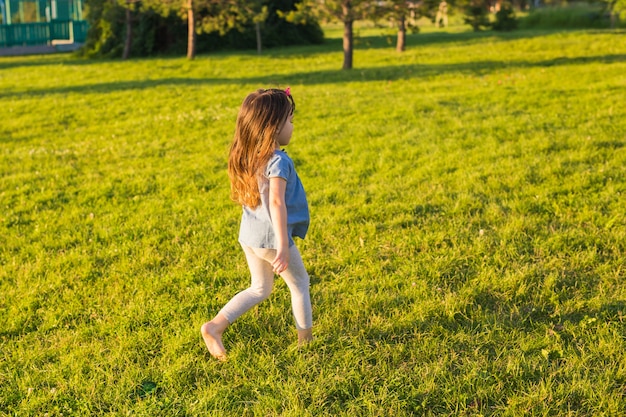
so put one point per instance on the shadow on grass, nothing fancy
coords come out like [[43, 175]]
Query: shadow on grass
[[329, 45], [388, 41], [386, 73], [14, 62], [382, 41], [490, 308]]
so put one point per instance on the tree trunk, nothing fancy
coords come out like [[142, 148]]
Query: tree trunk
[[129, 32], [191, 31], [347, 34], [348, 43], [257, 27], [400, 45]]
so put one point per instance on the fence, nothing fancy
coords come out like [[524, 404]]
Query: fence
[[28, 34]]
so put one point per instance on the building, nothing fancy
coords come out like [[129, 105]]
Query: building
[[41, 22]]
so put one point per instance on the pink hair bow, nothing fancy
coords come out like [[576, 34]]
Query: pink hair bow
[[288, 91]]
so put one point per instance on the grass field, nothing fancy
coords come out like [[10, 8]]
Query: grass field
[[466, 249]]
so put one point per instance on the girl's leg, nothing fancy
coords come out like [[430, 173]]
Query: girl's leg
[[297, 279], [262, 282]]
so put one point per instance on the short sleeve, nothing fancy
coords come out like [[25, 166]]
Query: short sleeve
[[278, 167]]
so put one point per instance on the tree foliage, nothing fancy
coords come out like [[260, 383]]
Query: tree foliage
[[106, 25], [618, 8], [161, 26], [476, 14], [505, 18]]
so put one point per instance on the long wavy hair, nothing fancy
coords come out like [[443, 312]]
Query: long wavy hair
[[260, 117]]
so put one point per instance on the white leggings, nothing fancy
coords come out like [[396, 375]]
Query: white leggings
[[262, 283]]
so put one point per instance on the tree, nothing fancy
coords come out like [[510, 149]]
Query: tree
[[256, 12], [401, 42], [204, 16], [505, 18], [106, 19], [476, 15], [400, 12], [184, 9], [618, 11], [346, 11], [224, 15], [128, 41], [191, 31]]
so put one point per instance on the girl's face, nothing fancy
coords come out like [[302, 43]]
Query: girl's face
[[284, 134]]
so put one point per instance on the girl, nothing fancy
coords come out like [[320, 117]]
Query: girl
[[264, 181]]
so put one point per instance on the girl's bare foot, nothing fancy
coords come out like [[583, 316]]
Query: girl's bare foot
[[212, 335], [305, 336]]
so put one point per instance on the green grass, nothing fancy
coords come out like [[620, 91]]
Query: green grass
[[466, 249]]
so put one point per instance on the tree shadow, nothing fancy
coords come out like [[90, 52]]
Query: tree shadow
[[388, 40], [382, 41], [384, 73], [441, 38], [509, 316], [15, 62]]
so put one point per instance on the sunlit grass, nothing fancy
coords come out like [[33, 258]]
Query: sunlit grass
[[466, 249]]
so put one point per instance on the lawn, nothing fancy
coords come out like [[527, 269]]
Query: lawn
[[466, 249]]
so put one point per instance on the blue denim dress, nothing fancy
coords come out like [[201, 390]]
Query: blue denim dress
[[256, 230]]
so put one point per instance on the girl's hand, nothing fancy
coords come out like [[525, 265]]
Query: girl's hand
[[281, 262]]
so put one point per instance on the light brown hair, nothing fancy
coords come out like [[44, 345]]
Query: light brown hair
[[260, 117]]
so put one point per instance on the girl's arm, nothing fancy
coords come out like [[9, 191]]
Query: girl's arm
[[278, 211]]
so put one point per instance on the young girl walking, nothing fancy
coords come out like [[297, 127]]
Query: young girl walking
[[264, 181]]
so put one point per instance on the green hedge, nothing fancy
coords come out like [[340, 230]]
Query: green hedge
[[574, 16]]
